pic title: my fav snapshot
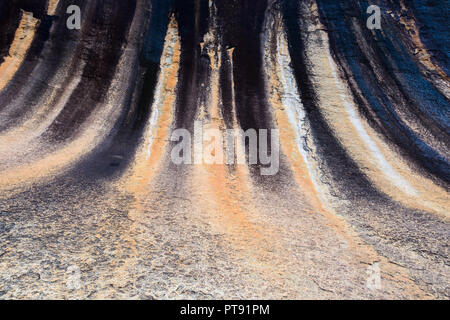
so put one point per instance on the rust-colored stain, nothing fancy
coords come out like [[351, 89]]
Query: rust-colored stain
[[155, 142], [19, 47], [52, 6]]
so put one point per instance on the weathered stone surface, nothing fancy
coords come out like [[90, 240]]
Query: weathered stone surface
[[92, 206]]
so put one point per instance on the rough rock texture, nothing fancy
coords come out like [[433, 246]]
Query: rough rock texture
[[91, 205]]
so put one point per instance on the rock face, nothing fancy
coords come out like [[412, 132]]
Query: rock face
[[92, 204]]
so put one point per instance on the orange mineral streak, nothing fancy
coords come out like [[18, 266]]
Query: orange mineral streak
[[22, 41], [52, 6], [154, 146], [242, 170], [222, 190], [222, 195], [225, 198], [290, 149]]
